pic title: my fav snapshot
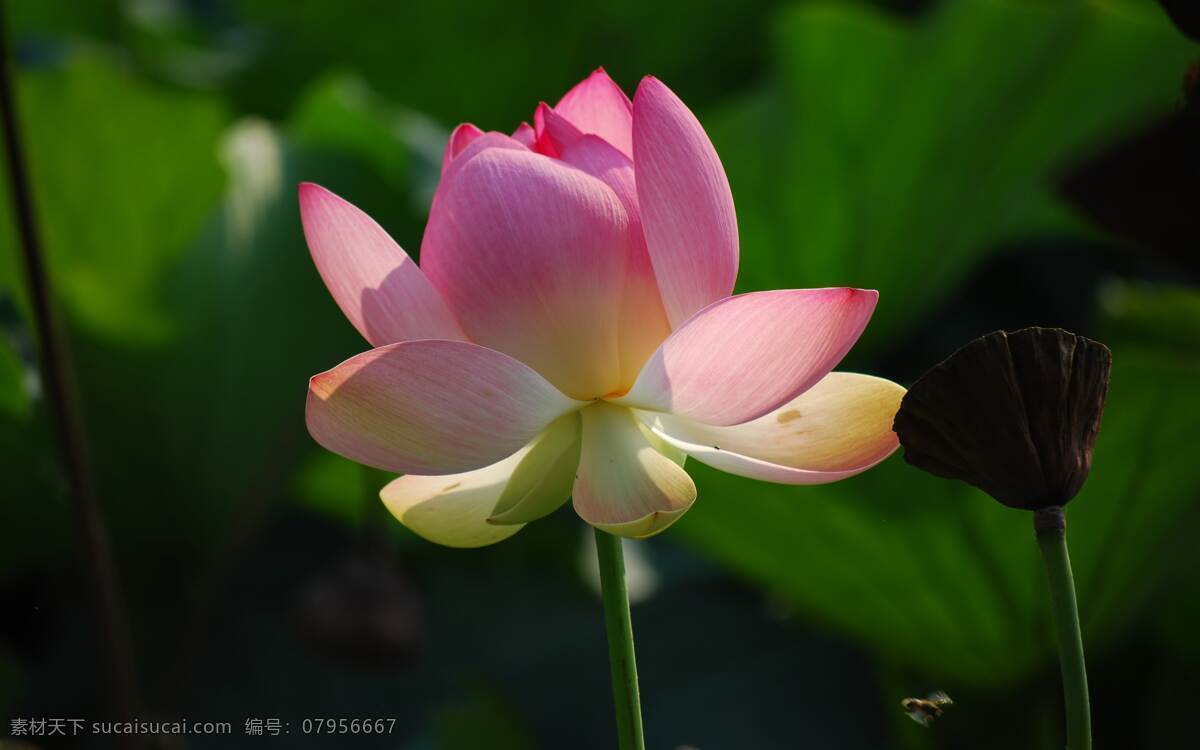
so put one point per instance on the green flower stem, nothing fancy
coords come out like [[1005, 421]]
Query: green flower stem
[[617, 622], [1050, 525]]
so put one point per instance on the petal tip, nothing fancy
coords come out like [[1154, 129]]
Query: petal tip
[[307, 192], [317, 385], [858, 299], [461, 137], [600, 74], [868, 298], [652, 86]]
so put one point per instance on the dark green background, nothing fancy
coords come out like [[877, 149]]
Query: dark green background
[[983, 164]]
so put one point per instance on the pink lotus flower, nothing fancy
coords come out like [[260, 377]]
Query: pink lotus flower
[[570, 333]]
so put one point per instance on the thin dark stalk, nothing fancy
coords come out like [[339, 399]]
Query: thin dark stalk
[[55, 368]]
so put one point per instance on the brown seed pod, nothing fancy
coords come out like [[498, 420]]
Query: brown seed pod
[[1014, 414]]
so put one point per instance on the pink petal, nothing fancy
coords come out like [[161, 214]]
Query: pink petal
[[597, 105], [489, 140], [643, 323], [541, 141], [687, 209], [744, 356], [459, 140], [530, 255], [476, 144], [624, 485], [838, 428], [557, 132], [430, 407], [379, 288], [525, 135]]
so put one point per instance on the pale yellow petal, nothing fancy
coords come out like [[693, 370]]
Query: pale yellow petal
[[839, 427], [542, 480], [453, 509], [624, 485]]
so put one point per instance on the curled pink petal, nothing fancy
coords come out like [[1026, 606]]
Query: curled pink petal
[[643, 323], [460, 138], [482, 142], [838, 428], [379, 288], [430, 407], [541, 142], [530, 254], [525, 135], [597, 105], [558, 133], [687, 208], [744, 356], [489, 140]]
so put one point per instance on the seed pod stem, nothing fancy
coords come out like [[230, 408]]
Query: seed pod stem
[[1050, 528]]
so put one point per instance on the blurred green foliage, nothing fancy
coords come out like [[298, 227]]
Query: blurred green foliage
[[908, 160], [151, 179], [864, 147], [14, 384], [491, 62], [1166, 318]]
